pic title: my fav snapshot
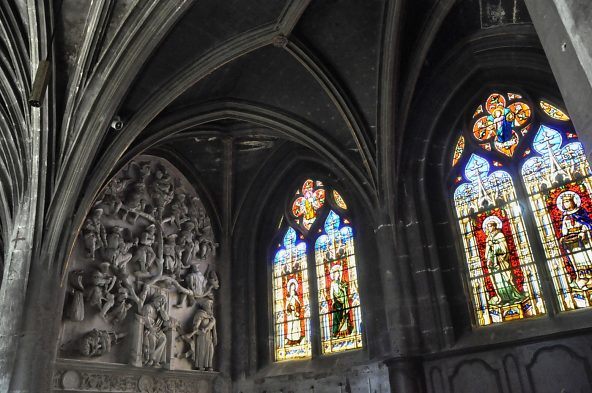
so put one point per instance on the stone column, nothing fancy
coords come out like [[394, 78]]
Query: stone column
[[565, 30], [406, 375]]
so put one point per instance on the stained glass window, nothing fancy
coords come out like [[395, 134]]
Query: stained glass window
[[553, 112], [503, 279], [339, 200], [503, 122], [525, 166], [339, 299], [339, 310], [458, 150], [291, 299], [309, 198], [558, 182]]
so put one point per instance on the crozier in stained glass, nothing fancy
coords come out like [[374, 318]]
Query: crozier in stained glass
[[503, 279]]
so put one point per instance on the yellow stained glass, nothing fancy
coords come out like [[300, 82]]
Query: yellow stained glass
[[458, 150], [339, 200], [553, 112]]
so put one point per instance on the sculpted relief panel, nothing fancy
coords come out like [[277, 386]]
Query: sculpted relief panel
[[142, 277]]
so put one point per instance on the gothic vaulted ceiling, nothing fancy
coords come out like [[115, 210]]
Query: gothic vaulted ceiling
[[341, 79]]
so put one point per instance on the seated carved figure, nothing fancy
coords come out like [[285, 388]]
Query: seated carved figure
[[156, 322]]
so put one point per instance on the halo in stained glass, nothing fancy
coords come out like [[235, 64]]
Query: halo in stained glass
[[339, 298], [552, 111], [339, 200]]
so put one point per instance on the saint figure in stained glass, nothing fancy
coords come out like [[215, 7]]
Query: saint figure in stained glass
[[309, 199], [503, 277], [339, 300], [558, 182], [291, 299], [498, 255], [338, 296], [505, 117], [294, 308]]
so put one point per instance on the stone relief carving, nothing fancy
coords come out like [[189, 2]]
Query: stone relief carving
[[143, 274]]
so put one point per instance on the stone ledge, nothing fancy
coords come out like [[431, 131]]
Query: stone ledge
[[86, 376]]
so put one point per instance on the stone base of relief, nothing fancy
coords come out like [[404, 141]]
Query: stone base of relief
[[83, 376]]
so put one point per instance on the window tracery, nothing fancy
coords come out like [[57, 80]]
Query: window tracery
[[501, 163], [332, 263]]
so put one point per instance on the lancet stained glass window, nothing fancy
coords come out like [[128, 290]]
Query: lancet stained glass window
[[317, 218], [557, 179], [515, 151], [339, 299], [503, 278], [291, 299]]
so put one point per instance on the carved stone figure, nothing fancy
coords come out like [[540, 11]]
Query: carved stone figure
[[75, 311], [196, 212], [98, 342], [117, 249], [102, 283], [205, 239], [143, 220], [135, 202], [144, 253], [186, 243], [195, 283], [94, 233], [111, 196], [197, 286], [162, 190], [122, 304], [145, 168], [204, 336], [156, 322], [172, 256], [179, 210]]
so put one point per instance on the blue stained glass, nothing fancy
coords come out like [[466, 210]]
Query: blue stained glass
[[332, 222], [290, 237], [476, 168], [346, 233], [546, 138]]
